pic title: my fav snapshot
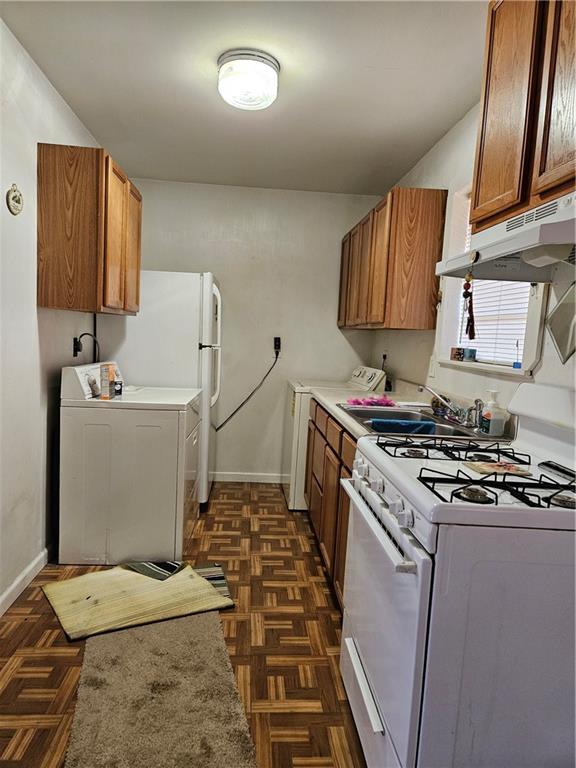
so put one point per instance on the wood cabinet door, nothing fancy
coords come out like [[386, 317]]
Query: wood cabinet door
[[309, 457], [379, 260], [115, 235], [315, 510], [341, 540], [329, 516], [133, 250], [353, 277], [318, 457], [364, 269], [344, 272], [507, 103], [555, 154], [417, 229]]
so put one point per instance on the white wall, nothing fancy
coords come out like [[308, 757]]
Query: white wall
[[276, 255], [34, 344], [449, 165]]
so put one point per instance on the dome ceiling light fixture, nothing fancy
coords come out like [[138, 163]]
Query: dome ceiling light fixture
[[248, 78]]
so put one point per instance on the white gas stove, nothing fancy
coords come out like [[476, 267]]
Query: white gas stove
[[466, 549]]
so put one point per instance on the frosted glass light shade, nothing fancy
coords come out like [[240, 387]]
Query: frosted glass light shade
[[248, 79]]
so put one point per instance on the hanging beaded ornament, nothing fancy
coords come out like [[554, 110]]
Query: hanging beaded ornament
[[469, 306]]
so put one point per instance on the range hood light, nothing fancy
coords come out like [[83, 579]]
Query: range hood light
[[248, 79]]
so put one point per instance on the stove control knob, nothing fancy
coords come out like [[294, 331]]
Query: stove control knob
[[405, 518], [362, 469], [377, 485]]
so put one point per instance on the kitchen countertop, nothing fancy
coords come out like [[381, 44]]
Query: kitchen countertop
[[329, 399]]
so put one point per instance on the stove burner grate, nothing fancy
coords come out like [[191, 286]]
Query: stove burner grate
[[533, 492], [446, 449]]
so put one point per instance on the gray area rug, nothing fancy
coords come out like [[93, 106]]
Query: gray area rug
[[161, 695]]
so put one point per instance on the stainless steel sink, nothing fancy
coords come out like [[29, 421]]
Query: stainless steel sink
[[442, 427]]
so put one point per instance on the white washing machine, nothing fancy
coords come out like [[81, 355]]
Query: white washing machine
[[295, 425], [128, 470]]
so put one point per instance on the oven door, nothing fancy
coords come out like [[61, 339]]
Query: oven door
[[386, 598]]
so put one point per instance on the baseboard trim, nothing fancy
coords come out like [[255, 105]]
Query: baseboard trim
[[250, 477], [22, 580]]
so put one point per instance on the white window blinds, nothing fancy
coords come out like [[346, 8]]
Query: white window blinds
[[500, 312]]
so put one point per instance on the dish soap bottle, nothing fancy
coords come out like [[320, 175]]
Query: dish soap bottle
[[493, 417]]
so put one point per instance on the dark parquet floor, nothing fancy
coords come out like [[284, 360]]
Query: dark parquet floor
[[283, 637]]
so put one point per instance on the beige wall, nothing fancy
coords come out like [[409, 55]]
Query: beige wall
[[276, 255], [34, 344], [449, 165]]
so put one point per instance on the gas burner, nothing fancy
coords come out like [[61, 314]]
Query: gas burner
[[561, 500], [474, 494], [479, 457], [415, 453]]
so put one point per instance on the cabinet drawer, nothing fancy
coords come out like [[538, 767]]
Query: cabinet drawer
[[333, 434], [313, 405], [348, 450], [318, 457], [321, 419]]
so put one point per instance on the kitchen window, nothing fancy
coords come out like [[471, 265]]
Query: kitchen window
[[508, 315], [501, 315]]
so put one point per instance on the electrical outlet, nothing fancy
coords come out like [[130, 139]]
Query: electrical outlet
[[277, 344]]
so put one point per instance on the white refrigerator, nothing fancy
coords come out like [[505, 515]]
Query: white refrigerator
[[175, 340]]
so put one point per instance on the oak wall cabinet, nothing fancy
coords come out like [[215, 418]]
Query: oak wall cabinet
[[330, 454], [387, 275], [89, 232], [526, 148]]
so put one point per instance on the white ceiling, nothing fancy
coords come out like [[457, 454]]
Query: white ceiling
[[366, 88]]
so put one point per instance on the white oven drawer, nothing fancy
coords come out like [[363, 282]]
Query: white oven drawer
[[386, 594], [378, 750]]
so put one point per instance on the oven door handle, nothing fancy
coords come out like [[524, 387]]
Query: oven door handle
[[401, 564], [364, 686]]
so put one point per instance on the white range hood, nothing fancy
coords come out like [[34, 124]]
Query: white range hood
[[526, 247]]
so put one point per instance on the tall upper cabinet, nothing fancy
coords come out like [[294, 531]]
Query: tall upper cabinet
[[526, 149], [89, 232], [387, 276]]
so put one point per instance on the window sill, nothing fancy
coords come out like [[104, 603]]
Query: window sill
[[495, 370]]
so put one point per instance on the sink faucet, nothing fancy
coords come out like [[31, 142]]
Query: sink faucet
[[473, 415], [459, 413], [468, 417]]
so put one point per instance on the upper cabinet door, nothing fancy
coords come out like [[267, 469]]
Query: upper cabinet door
[[417, 231], [510, 75], [133, 250], [556, 140], [364, 269], [353, 277], [344, 276], [379, 260], [115, 237]]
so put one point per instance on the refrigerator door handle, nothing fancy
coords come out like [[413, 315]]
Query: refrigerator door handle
[[218, 345]]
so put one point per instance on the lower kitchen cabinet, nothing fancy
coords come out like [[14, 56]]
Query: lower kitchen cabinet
[[341, 539], [309, 455], [329, 520], [315, 505], [330, 453]]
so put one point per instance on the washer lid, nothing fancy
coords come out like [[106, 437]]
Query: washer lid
[[150, 398]]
